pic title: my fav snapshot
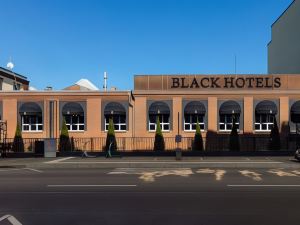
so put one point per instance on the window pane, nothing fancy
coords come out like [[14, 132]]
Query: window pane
[[166, 127], [40, 127], [222, 127], [187, 118], [186, 126], [74, 127], [229, 126], [123, 119], [201, 119], [123, 127], [25, 127], [257, 118], [81, 119], [194, 119], [68, 126], [152, 119], [202, 126], [39, 119], [264, 127], [222, 118], [257, 127], [194, 127], [106, 127], [81, 127], [26, 119], [116, 119], [152, 127], [33, 127], [68, 119]]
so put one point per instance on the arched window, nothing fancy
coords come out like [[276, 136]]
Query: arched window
[[73, 114], [31, 117], [295, 112], [159, 110], [229, 111], [194, 111], [117, 113], [265, 113]]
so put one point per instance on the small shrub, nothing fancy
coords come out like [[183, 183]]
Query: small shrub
[[64, 139], [111, 138], [234, 141], [159, 142], [274, 138], [198, 141], [18, 143]]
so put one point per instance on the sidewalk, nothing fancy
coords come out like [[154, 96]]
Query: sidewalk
[[150, 162]]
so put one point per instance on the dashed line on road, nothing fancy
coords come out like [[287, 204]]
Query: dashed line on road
[[58, 160], [35, 170], [91, 185], [263, 185]]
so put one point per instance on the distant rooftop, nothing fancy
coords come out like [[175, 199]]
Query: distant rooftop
[[12, 73]]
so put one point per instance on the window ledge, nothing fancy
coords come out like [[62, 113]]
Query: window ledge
[[76, 131], [32, 131]]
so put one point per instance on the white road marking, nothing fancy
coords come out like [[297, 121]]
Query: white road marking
[[35, 170], [11, 219], [263, 185], [59, 160], [91, 185], [282, 173], [218, 173], [251, 174]]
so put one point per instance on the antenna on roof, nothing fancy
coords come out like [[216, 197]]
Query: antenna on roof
[[10, 64], [105, 82]]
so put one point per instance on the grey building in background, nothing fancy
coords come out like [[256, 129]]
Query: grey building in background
[[284, 48]]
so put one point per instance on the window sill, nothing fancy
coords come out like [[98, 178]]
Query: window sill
[[193, 131], [32, 131], [119, 131], [166, 131], [76, 131]]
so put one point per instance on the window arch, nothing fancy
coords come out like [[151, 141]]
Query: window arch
[[265, 112], [117, 113], [31, 117], [159, 110], [194, 111], [73, 114], [229, 111]]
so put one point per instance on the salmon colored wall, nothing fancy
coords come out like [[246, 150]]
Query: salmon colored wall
[[248, 114]]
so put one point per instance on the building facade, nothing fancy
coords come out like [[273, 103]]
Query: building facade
[[256, 101], [284, 48]]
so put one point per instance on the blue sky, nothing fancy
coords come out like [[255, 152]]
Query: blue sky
[[57, 42]]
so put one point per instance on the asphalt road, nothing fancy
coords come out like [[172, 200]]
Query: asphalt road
[[203, 196]]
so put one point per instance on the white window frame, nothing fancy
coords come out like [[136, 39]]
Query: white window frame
[[118, 125], [75, 123], [227, 122], [268, 123], [30, 124], [162, 122], [190, 124]]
